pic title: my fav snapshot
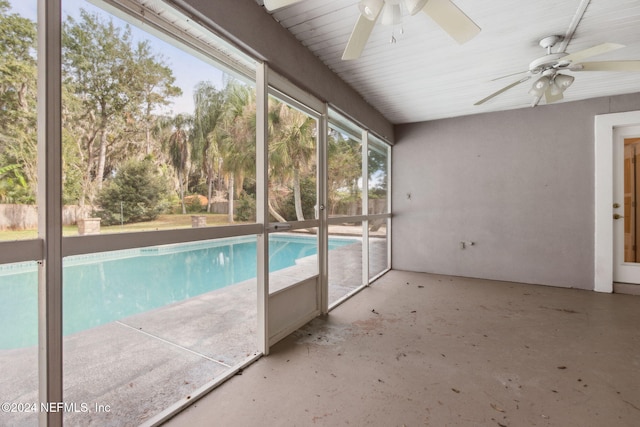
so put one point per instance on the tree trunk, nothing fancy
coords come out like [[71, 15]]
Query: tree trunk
[[297, 195], [181, 189], [83, 194], [230, 198], [148, 139], [147, 128], [375, 225], [275, 213], [22, 97], [87, 189], [102, 160], [209, 193]]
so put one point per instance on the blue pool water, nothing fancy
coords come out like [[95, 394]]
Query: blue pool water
[[100, 288]]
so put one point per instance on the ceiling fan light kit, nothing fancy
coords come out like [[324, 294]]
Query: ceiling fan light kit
[[540, 86], [561, 82], [391, 15]]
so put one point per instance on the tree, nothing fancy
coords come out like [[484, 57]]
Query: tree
[[12, 183], [179, 152], [207, 133], [345, 169], [154, 87], [377, 173], [136, 193], [292, 148], [95, 59], [239, 144], [117, 87], [307, 197], [377, 177], [18, 139]]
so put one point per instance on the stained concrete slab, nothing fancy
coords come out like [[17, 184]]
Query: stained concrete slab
[[140, 365], [421, 349], [220, 325], [123, 366]]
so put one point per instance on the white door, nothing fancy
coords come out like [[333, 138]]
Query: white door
[[294, 260], [626, 204]]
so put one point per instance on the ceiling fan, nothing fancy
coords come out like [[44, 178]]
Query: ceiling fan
[[446, 14], [552, 83]]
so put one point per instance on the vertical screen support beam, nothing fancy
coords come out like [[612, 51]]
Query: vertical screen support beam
[[50, 208], [365, 207], [323, 235], [389, 205], [262, 210]]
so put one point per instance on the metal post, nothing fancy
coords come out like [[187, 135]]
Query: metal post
[[50, 209], [322, 200], [365, 207], [389, 206], [262, 210]]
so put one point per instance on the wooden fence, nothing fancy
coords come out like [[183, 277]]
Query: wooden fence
[[25, 217]]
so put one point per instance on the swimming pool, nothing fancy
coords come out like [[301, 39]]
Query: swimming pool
[[103, 287]]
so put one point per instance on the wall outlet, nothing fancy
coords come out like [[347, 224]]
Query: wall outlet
[[463, 245]]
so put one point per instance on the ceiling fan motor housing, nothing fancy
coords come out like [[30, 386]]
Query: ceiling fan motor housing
[[552, 60]]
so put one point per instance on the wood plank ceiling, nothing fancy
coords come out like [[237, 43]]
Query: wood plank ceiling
[[426, 75]]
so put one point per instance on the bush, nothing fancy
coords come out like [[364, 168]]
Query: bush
[[194, 204], [245, 208], [137, 193]]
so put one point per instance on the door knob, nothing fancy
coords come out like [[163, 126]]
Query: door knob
[[616, 205], [617, 216]]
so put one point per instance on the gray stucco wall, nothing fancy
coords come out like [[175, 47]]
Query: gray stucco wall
[[520, 184]]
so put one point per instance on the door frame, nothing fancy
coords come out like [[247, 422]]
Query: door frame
[[623, 272], [288, 309], [603, 230]]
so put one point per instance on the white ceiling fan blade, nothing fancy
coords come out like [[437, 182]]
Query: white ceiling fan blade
[[607, 66], [592, 51], [452, 20], [509, 75], [277, 4], [504, 89], [359, 37]]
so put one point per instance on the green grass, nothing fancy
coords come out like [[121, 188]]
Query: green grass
[[163, 222]]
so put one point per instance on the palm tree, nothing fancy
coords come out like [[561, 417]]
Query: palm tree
[[238, 145], [292, 148], [179, 152], [207, 133], [345, 170]]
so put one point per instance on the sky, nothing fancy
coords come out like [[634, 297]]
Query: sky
[[187, 69]]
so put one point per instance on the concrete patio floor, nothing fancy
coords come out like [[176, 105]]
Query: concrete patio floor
[[419, 349]]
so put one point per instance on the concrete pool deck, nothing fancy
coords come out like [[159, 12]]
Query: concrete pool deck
[[140, 365]]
